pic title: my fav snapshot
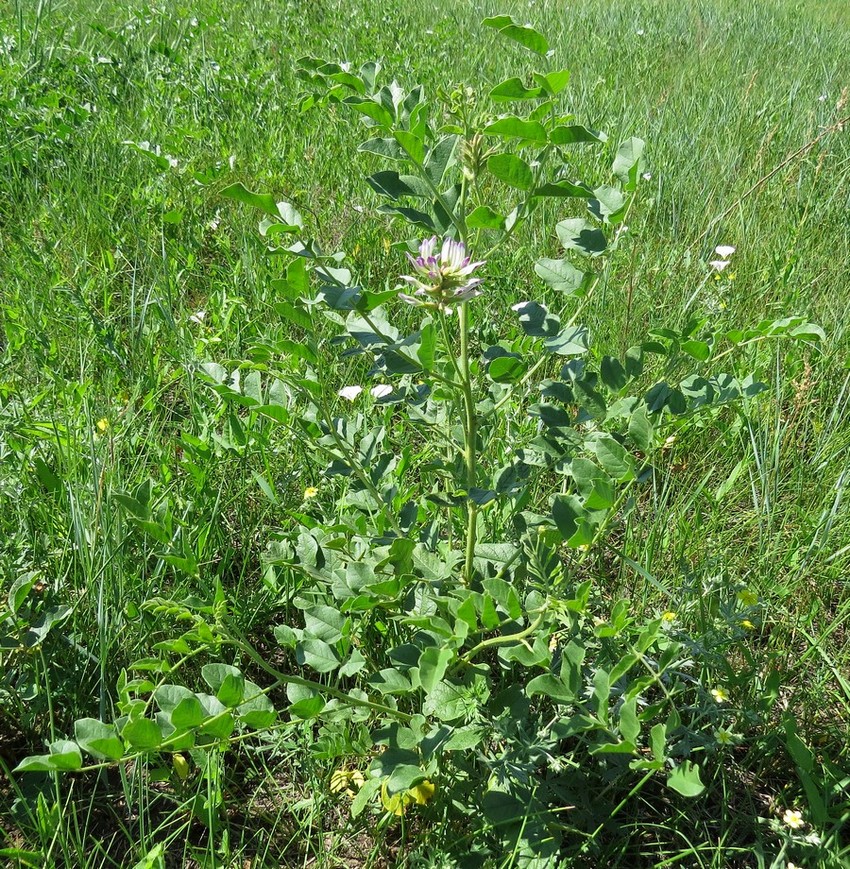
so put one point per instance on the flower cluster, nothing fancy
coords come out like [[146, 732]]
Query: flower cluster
[[441, 280]]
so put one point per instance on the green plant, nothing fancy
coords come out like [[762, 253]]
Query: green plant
[[447, 619]]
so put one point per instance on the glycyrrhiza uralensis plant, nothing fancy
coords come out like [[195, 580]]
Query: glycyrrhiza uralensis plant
[[450, 649]]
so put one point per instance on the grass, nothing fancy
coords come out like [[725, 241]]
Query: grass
[[105, 256]]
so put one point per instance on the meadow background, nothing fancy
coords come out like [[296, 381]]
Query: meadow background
[[121, 266]]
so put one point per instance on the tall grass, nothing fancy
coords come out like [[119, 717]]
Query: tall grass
[[106, 254]]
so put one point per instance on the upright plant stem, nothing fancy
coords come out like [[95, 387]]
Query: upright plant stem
[[470, 454]]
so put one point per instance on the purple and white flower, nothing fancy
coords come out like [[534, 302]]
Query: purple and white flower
[[438, 281]]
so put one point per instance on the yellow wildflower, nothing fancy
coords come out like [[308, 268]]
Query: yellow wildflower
[[726, 737], [103, 425], [748, 597], [669, 616], [747, 625], [310, 492], [719, 695]]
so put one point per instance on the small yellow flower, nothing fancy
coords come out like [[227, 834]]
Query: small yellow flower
[[719, 695], [748, 597], [747, 625], [793, 819], [669, 616], [103, 425], [726, 737], [310, 492]]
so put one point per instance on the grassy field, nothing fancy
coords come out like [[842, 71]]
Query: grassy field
[[123, 268]]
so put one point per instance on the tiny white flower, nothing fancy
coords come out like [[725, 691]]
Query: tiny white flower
[[724, 251], [793, 819], [719, 264], [350, 392], [640, 32], [198, 317], [646, 176], [822, 98], [172, 161], [381, 391], [193, 22], [358, 208], [231, 161]]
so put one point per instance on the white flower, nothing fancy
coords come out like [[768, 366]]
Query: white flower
[[350, 392], [231, 161], [646, 176], [793, 819], [198, 317], [822, 98], [724, 251], [640, 32], [381, 391], [719, 264]]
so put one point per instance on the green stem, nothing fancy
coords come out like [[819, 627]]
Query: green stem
[[504, 640], [470, 451], [289, 679]]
